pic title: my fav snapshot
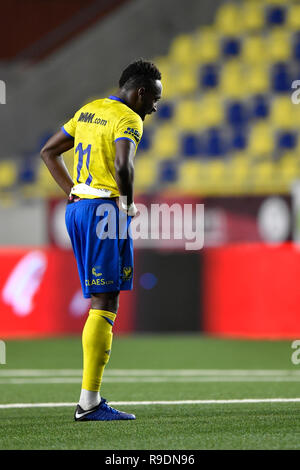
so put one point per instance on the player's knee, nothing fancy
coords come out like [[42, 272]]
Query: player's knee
[[108, 301]]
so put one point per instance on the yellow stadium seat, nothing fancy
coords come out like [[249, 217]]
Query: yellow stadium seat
[[45, 183], [254, 50], [145, 172], [188, 115], [278, 45], [186, 79], [217, 170], [238, 170], [232, 83], [289, 170], [263, 172], [261, 141], [282, 113], [191, 176], [257, 79], [8, 174], [182, 50], [165, 142], [206, 45], [167, 76], [253, 15], [293, 17], [229, 19], [211, 110]]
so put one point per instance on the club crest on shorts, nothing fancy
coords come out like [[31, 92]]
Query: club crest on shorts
[[127, 273]]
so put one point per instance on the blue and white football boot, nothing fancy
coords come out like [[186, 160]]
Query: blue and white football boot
[[101, 412]]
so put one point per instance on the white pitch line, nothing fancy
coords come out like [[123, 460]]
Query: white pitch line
[[137, 380], [149, 372], [146, 403]]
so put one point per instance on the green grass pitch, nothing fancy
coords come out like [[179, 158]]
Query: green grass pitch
[[161, 368]]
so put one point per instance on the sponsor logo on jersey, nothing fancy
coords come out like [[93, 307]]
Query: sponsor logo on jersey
[[134, 133], [89, 119]]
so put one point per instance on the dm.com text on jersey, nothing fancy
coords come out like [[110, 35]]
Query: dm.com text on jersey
[[181, 223]]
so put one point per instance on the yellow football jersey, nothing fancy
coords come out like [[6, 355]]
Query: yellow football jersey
[[95, 128]]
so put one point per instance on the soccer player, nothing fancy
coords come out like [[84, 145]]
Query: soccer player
[[105, 134]]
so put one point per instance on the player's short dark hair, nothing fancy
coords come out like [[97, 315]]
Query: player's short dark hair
[[139, 73]]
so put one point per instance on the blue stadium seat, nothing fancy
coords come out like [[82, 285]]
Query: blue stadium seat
[[145, 142], [281, 80], [231, 47], [286, 140], [190, 145], [209, 76], [27, 170], [260, 108], [168, 171], [237, 113], [275, 15], [165, 110], [239, 140], [216, 145], [296, 46]]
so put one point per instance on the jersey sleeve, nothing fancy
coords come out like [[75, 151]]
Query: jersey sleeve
[[130, 127], [69, 127]]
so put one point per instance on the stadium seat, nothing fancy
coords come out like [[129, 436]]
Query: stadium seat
[[165, 142], [145, 142], [8, 174], [229, 19], [186, 79], [257, 79], [206, 44], [211, 111], [165, 110], [239, 170], [286, 140], [278, 45], [145, 169], [239, 140], [215, 145], [253, 16], [190, 145], [232, 79], [254, 51], [261, 142], [282, 113], [191, 174], [293, 17], [275, 15], [182, 50], [260, 107], [168, 171], [262, 175], [237, 113], [231, 47], [280, 78], [209, 76], [296, 46], [187, 115]]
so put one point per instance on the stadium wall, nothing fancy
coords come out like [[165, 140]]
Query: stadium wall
[[231, 291]]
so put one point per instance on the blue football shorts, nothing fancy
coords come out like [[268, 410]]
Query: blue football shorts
[[102, 244]]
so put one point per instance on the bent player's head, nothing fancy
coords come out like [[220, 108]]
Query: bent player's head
[[140, 85]]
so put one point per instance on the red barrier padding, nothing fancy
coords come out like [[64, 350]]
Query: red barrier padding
[[252, 290], [40, 295]]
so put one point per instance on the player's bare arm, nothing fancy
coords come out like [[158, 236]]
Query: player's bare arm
[[51, 154], [124, 169]]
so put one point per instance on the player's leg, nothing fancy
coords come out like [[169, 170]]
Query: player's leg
[[96, 343]]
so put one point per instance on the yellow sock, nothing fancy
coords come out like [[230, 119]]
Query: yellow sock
[[96, 343]]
